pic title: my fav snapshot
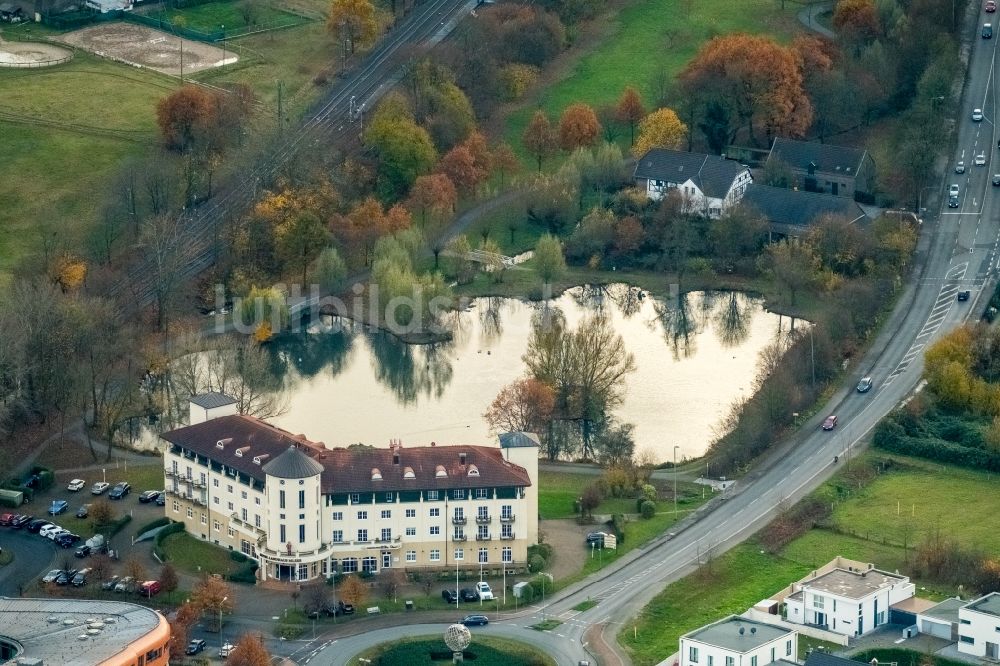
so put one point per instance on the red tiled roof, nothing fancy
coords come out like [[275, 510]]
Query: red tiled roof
[[349, 469]]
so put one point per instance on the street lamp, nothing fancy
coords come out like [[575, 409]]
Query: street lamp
[[675, 482], [221, 604]]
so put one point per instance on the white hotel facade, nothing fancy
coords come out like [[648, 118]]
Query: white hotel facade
[[303, 510]]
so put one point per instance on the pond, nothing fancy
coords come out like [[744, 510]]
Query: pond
[[695, 355]]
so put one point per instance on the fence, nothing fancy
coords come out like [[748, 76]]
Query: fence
[[38, 63]]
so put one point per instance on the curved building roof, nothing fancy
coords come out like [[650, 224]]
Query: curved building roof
[[293, 464]]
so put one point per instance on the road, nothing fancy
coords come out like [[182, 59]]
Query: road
[[958, 251], [33, 556]]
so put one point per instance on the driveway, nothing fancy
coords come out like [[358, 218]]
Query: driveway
[[33, 555], [568, 541]]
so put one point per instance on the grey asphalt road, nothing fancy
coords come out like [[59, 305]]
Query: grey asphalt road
[[33, 555]]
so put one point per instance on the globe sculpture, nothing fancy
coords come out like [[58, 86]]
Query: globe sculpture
[[457, 637]]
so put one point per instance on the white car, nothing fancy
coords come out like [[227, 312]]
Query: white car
[[226, 650], [99, 488], [56, 532], [953, 190], [76, 484], [977, 115], [960, 167], [484, 591], [981, 159], [47, 528]]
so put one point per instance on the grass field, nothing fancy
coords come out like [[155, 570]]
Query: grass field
[[195, 557], [484, 651], [558, 490], [211, 16], [626, 55], [51, 179]]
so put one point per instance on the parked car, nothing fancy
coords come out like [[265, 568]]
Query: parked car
[[150, 588], [80, 579], [56, 532], [449, 596], [484, 591], [75, 485], [83, 511], [21, 520], [126, 584], [33, 481], [47, 528], [36, 525], [66, 577], [195, 646], [83, 551], [6, 519], [475, 620], [161, 499], [977, 115], [596, 538], [99, 487], [110, 583], [149, 495], [119, 491], [964, 295], [58, 506], [226, 650], [865, 385], [67, 539], [51, 576], [991, 6], [468, 594], [830, 423]]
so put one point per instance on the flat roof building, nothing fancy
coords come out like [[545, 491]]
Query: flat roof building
[[979, 627], [82, 632], [737, 641]]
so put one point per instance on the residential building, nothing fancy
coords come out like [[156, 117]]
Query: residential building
[[942, 619], [979, 627], [845, 597], [737, 641], [82, 632], [822, 658], [708, 184], [791, 213], [304, 510], [822, 167]]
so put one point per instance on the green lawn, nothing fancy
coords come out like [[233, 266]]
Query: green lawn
[[650, 40], [421, 650], [558, 490], [52, 181], [195, 556], [211, 16]]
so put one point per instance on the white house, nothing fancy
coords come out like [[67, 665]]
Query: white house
[[846, 597], [979, 627], [941, 619], [708, 184], [737, 641]]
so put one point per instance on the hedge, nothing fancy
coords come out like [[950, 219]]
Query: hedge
[[116, 526], [173, 528], [245, 574], [890, 436], [152, 525]]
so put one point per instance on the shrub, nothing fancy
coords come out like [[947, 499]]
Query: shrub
[[647, 509], [536, 563], [618, 525], [173, 528], [152, 525], [527, 594], [237, 556], [117, 525], [245, 574]]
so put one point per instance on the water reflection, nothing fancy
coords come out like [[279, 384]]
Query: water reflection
[[696, 353]]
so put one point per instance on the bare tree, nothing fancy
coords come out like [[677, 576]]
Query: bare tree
[[163, 242]]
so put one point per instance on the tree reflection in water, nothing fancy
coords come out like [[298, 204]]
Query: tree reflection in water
[[733, 318], [410, 371], [326, 348], [681, 320]]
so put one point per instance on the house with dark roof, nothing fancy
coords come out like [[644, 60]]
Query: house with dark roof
[[708, 184], [821, 167], [792, 213], [303, 510]]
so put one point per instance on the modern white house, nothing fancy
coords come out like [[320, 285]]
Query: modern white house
[[941, 619], [846, 597], [979, 627], [304, 510], [709, 184], [737, 641]]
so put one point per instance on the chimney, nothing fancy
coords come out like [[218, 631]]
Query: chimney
[[432, 443], [461, 459], [395, 458], [753, 630], [741, 631]]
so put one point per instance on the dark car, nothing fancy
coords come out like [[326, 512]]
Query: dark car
[[21, 521], [964, 295], [161, 499], [195, 646], [66, 577], [596, 538], [83, 511], [148, 496], [6, 519], [80, 579], [468, 594], [36, 525], [83, 551], [987, 31], [996, 180], [345, 609], [865, 385], [449, 596], [830, 423], [110, 583], [475, 620], [67, 540], [119, 491], [33, 481]]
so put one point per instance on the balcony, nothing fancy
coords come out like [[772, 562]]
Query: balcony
[[507, 537], [458, 520], [506, 520], [483, 520], [168, 472], [460, 537], [483, 537], [199, 484]]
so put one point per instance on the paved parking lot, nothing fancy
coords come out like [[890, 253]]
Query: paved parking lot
[[33, 555]]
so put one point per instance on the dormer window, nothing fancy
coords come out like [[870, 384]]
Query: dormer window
[[221, 444], [240, 451], [440, 472], [257, 460], [408, 473], [473, 470], [376, 474]]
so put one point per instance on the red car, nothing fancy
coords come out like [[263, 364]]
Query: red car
[[6, 518], [149, 588], [830, 423], [991, 6]]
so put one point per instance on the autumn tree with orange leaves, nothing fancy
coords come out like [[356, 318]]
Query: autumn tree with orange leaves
[[539, 138], [354, 21], [856, 22], [578, 127], [250, 651], [630, 110], [183, 114], [523, 405], [364, 224], [748, 83], [460, 167], [434, 194]]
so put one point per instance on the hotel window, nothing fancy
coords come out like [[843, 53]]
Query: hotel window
[[247, 549], [507, 554], [435, 513], [302, 499], [243, 494], [411, 556], [362, 515], [459, 513], [190, 512], [730, 661], [281, 532], [338, 515], [281, 499], [753, 660], [484, 555], [390, 497], [229, 488], [177, 506], [215, 500], [215, 483], [435, 555], [693, 654], [435, 531], [256, 501], [432, 494], [483, 512], [411, 531], [216, 526], [256, 520], [481, 493], [229, 505], [338, 536], [204, 519], [355, 498], [231, 532], [362, 535], [302, 533], [459, 554], [350, 565], [483, 532], [411, 513], [817, 601], [506, 511], [386, 534], [506, 532], [788, 649], [243, 513], [386, 513], [458, 493]]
